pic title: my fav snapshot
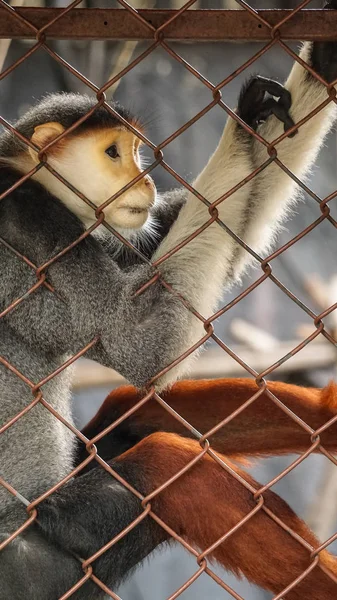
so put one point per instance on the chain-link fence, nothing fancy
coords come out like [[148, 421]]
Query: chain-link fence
[[275, 28]]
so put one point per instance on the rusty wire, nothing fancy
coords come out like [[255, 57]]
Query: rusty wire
[[271, 32]]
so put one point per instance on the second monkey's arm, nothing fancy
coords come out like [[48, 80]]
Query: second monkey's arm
[[261, 429]]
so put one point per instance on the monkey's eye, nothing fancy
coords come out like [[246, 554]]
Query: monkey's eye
[[112, 151]]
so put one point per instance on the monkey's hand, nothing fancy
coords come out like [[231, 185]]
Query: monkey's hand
[[88, 512], [261, 97]]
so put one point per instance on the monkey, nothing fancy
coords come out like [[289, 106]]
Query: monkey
[[96, 300]]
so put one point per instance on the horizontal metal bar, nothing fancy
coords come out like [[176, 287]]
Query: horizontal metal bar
[[196, 25]]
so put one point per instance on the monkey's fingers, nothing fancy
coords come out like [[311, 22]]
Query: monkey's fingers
[[254, 108], [272, 107]]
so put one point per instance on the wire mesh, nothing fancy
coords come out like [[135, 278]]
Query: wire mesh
[[275, 38]]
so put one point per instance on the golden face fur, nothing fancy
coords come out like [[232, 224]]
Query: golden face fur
[[82, 160]]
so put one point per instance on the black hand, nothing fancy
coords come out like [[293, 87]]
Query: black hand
[[254, 108]]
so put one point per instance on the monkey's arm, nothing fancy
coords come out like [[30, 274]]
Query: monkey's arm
[[262, 429], [254, 211], [299, 152], [202, 505]]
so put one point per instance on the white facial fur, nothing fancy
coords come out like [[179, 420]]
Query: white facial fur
[[82, 161]]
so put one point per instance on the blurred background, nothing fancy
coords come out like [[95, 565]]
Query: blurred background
[[266, 324]]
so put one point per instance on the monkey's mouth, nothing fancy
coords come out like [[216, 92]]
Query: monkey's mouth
[[134, 210]]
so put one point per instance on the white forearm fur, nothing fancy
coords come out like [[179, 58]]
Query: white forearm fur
[[253, 212]]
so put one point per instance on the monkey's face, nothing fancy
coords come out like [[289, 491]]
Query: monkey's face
[[99, 163]]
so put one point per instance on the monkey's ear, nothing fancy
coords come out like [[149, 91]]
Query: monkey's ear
[[43, 135]]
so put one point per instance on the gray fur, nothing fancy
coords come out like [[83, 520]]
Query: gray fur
[[37, 337], [64, 108]]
